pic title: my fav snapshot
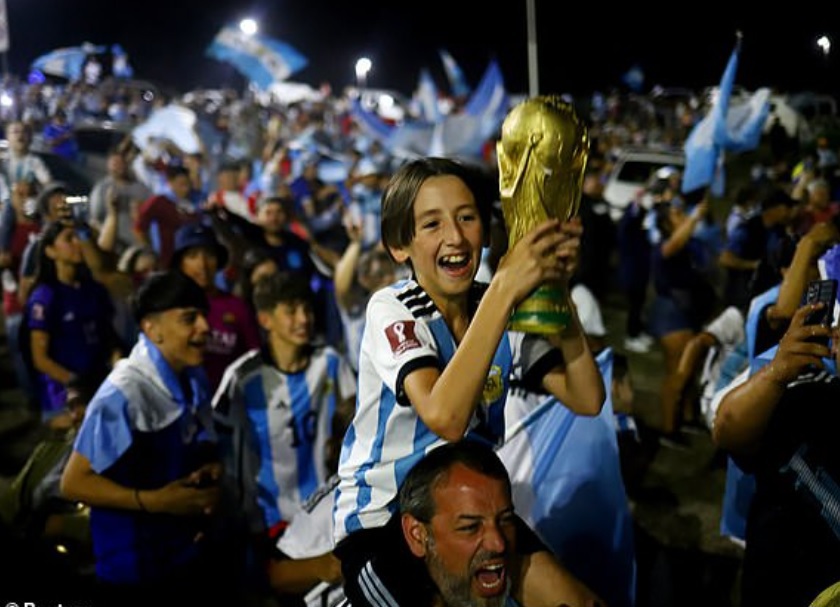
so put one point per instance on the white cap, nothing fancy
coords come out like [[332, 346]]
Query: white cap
[[589, 312]]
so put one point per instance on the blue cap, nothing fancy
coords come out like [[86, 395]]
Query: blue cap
[[197, 235]]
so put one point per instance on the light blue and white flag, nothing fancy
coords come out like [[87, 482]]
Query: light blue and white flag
[[490, 101], [567, 485], [456, 135], [66, 62], [734, 128], [703, 157], [261, 59], [120, 66], [745, 122], [427, 97], [457, 83]]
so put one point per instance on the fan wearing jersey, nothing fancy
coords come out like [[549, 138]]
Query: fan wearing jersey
[[274, 409], [435, 365]]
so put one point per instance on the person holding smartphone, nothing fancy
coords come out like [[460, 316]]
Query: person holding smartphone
[[780, 425]]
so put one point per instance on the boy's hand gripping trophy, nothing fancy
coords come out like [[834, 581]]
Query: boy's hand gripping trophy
[[542, 156]]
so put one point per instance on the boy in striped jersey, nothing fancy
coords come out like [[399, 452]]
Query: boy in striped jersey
[[275, 408], [435, 366]]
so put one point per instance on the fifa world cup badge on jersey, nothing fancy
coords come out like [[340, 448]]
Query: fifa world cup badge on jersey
[[493, 385], [401, 336]]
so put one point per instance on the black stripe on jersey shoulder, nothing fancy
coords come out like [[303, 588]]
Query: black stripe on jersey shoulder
[[247, 363], [243, 366], [413, 297]]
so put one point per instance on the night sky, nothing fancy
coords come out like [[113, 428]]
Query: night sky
[[166, 40]]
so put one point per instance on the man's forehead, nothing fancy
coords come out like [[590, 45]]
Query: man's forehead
[[464, 489]]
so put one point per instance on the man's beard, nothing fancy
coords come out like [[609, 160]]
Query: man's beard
[[456, 591]]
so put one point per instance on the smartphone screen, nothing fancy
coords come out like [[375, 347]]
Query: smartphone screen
[[824, 291]]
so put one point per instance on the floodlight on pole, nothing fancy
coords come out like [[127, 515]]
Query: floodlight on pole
[[363, 66], [248, 26], [824, 43]]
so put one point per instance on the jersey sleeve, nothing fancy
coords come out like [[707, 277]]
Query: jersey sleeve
[[533, 358], [42, 173], [146, 214], [40, 308], [397, 343]]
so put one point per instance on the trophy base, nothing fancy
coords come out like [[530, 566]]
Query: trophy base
[[544, 312]]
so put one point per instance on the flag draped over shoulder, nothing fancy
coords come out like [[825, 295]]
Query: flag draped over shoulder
[[567, 485], [457, 83], [261, 59], [735, 128]]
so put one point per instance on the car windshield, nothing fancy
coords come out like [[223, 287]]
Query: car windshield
[[61, 170], [97, 141]]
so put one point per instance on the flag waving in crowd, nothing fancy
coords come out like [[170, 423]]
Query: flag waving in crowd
[[736, 129], [261, 59], [457, 83]]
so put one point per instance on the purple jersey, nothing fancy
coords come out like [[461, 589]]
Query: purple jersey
[[76, 318], [233, 331]]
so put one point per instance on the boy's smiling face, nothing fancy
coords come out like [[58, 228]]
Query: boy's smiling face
[[448, 234]]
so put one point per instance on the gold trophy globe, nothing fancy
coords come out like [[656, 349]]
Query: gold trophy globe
[[542, 156]]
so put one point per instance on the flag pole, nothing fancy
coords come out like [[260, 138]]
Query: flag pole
[[533, 72], [4, 38]]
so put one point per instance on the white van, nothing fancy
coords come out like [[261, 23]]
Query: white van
[[633, 171]]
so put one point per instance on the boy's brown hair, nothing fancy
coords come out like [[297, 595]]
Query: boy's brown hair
[[402, 189]]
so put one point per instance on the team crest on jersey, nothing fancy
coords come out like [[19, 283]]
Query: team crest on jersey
[[493, 385], [401, 336], [38, 311], [229, 318]]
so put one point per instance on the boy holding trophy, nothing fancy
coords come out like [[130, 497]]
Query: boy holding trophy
[[437, 355]]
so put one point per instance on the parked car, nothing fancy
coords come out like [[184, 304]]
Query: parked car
[[633, 170], [95, 140], [78, 182]]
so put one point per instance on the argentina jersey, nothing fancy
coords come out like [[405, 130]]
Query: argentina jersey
[[274, 428], [405, 332]]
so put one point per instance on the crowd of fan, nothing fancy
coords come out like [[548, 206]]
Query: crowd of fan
[[284, 262]]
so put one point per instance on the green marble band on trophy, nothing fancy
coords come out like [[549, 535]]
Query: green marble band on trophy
[[542, 156]]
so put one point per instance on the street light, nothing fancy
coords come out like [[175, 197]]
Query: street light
[[248, 26], [824, 42], [363, 66]]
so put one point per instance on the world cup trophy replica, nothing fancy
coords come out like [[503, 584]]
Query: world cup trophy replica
[[542, 156]]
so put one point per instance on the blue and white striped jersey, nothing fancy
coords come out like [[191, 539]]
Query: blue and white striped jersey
[[404, 332], [274, 427]]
